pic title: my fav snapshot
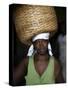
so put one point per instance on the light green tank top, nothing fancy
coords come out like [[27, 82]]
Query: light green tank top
[[33, 77]]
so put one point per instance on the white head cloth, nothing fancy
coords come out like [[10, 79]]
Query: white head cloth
[[44, 36]]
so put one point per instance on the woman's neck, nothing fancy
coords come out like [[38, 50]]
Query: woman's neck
[[39, 57]]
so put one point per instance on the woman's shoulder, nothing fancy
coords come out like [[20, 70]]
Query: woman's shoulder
[[26, 60], [57, 66]]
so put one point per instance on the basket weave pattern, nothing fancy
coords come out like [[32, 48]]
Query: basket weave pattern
[[31, 20]]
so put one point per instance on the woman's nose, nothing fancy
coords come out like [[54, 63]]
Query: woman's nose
[[40, 43]]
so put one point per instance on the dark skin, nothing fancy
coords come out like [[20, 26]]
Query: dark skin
[[41, 60]]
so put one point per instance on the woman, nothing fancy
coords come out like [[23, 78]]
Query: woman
[[40, 67], [34, 25]]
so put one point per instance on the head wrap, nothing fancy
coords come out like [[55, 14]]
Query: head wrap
[[44, 36]]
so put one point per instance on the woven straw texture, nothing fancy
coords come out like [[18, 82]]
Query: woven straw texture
[[31, 20]]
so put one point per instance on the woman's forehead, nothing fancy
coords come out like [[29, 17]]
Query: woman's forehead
[[42, 40]]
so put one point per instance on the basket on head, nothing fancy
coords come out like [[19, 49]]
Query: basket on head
[[31, 20]]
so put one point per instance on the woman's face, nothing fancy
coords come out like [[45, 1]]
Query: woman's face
[[41, 46]]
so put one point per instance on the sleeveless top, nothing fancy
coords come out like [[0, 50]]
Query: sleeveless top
[[33, 78]]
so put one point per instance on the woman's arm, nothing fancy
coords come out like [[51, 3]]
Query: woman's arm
[[20, 71], [58, 73]]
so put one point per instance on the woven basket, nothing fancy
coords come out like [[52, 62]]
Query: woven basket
[[31, 20]]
